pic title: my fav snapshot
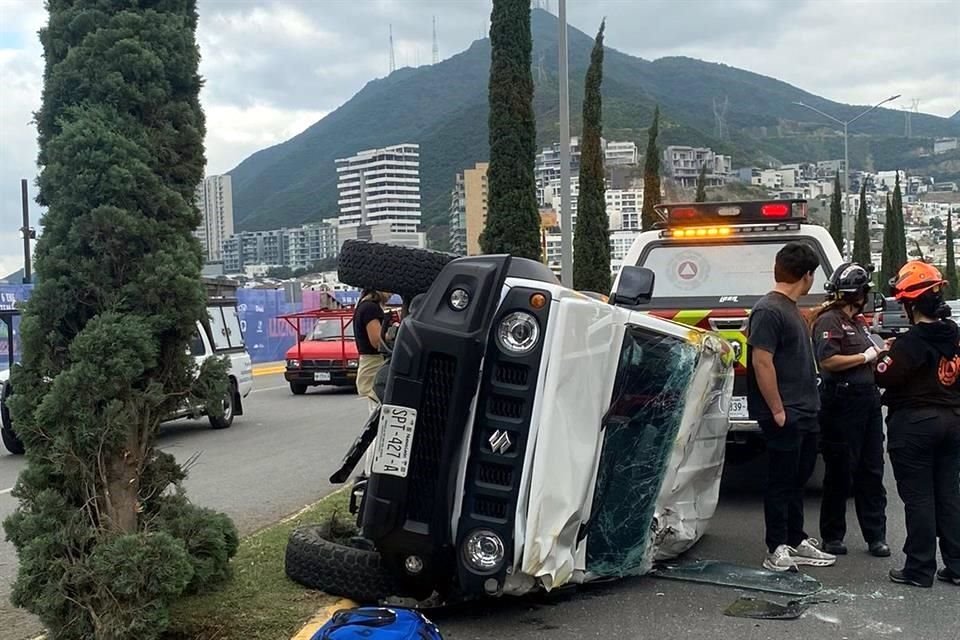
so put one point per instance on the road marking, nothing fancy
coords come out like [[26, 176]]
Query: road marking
[[6, 491], [269, 368], [322, 618], [283, 386]]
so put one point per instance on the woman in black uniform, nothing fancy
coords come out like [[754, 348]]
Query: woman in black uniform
[[851, 422], [921, 376]]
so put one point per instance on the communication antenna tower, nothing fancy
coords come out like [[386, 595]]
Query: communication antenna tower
[[436, 48], [908, 113], [393, 59], [720, 116]]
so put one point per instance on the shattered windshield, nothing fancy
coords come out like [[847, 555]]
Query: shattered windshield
[[647, 405]]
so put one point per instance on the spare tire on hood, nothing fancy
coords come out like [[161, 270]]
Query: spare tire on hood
[[406, 271]]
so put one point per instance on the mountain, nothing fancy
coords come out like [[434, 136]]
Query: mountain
[[955, 116], [443, 107]]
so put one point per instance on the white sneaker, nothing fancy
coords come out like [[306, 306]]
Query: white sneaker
[[808, 553], [780, 560]]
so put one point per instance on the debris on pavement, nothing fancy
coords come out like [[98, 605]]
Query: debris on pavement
[[742, 577], [761, 609]]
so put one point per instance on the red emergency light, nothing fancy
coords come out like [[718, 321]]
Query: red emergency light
[[731, 213]]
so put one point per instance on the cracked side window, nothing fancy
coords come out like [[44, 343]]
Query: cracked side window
[[653, 375]]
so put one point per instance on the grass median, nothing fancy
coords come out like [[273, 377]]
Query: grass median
[[259, 602]]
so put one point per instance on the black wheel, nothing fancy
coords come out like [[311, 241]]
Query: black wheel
[[225, 420], [11, 442], [347, 571], [403, 270], [298, 388]]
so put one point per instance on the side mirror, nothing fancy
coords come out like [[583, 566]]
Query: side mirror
[[301, 337], [879, 301], [635, 287]]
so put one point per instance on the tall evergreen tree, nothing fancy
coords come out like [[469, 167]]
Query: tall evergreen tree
[[836, 213], [513, 219], [901, 240], [889, 265], [591, 243], [651, 175], [701, 195], [861, 239], [950, 273], [106, 537]]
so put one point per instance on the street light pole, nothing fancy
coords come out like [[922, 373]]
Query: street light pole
[[848, 240], [566, 217]]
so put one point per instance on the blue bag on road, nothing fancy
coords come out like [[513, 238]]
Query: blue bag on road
[[378, 623]]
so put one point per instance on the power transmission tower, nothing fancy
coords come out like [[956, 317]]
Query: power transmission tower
[[720, 115], [393, 59], [436, 47]]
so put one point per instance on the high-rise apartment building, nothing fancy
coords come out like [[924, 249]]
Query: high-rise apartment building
[[215, 201], [683, 165], [296, 248], [379, 195], [468, 210]]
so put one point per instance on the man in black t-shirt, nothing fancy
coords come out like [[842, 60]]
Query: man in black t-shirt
[[784, 400]]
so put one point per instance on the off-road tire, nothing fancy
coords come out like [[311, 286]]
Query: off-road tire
[[318, 563], [298, 388], [406, 271], [225, 421]]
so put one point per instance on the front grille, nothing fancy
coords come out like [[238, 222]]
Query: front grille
[[505, 407], [495, 474], [512, 374], [428, 437], [489, 507], [320, 364]]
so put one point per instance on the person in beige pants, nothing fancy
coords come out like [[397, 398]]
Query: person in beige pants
[[368, 319]]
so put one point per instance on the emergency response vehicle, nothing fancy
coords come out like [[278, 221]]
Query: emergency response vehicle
[[713, 261]]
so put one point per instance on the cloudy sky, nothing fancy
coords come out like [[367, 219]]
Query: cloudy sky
[[274, 67]]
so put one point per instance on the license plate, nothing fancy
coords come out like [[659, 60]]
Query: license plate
[[321, 376], [394, 441], [738, 407]]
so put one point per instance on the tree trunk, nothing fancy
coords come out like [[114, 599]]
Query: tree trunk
[[122, 491]]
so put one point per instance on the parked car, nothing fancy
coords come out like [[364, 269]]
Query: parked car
[[892, 320], [218, 335], [530, 436]]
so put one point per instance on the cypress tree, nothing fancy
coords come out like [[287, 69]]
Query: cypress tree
[[105, 535], [701, 195], [950, 273], [591, 243], [861, 240], [513, 220], [836, 213], [900, 244], [889, 266], [651, 175]]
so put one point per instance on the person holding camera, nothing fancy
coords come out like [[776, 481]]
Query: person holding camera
[[921, 378], [851, 420]]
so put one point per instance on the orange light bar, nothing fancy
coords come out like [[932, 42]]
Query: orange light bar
[[700, 232]]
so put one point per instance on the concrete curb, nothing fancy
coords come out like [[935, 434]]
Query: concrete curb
[[321, 618]]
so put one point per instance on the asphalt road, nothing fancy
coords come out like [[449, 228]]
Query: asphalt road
[[275, 459]]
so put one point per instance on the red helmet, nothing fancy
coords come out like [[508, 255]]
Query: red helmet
[[916, 278]]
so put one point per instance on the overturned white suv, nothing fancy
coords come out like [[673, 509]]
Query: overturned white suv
[[530, 437]]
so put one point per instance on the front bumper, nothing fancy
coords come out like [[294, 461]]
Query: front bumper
[[339, 377]]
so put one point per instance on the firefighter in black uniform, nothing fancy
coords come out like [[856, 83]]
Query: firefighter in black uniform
[[851, 421], [921, 378]]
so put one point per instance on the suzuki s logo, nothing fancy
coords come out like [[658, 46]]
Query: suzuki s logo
[[500, 442], [737, 349], [729, 298]]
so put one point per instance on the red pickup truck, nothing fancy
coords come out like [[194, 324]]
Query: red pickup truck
[[325, 353]]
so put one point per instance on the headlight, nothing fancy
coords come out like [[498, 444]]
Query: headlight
[[352, 364], [293, 364], [518, 333], [483, 551]]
